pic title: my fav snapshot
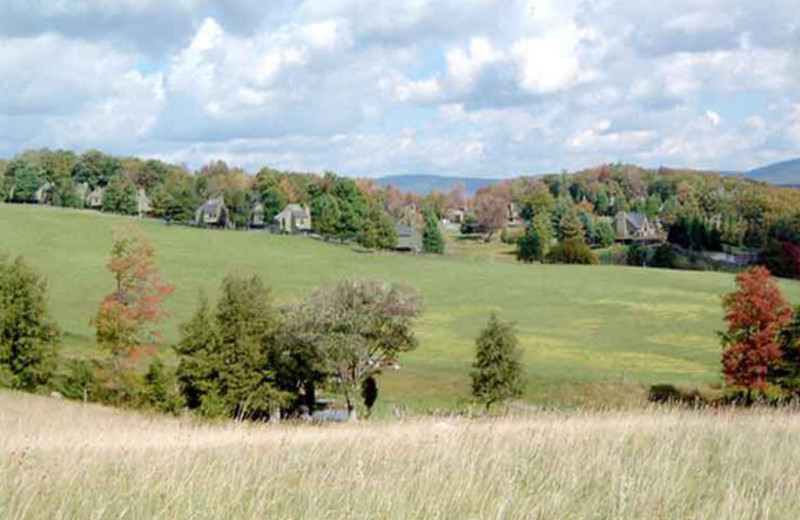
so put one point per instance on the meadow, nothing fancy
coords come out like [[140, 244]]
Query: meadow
[[590, 335], [65, 460]]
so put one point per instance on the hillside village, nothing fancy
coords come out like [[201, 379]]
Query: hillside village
[[612, 213]]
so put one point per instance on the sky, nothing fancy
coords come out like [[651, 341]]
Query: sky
[[490, 88]]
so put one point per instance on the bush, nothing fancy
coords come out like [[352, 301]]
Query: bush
[[572, 251], [637, 255], [669, 394], [80, 382], [511, 236]]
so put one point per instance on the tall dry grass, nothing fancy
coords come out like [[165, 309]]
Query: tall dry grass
[[66, 460]]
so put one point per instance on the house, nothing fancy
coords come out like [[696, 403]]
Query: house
[[454, 216], [408, 239], [293, 219], [635, 227], [214, 213], [44, 195], [143, 205], [257, 216], [95, 199]]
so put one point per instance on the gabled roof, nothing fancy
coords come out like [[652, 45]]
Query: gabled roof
[[636, 220], [213, 204]]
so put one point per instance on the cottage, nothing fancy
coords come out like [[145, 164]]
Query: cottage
[[44, 195], [143, 205], [408, 239], [257, 216], [95, 199], [635, 227], [293, 219], [214, 213]]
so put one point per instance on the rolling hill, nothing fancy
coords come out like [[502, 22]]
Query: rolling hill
[[785, 173], [590, 335]]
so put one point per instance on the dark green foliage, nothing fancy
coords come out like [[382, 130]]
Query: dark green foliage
[[228, 356], [159, 392], [786, 373], [120, 196], [176, 199], [665, 257], [469, 225], [379, 230], [96, 169], [65, 194], [80, 381], [240, 207], [325, 214], [669, 394], [637, 255], [369, 392], [529, 247], [572, 251], [25, 175], [497, 371], [432, 238], [28, 336]]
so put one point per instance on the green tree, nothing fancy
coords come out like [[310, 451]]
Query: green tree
[[570, 226], [28, 336], [25, 175], [199, 360], [65, 193], [432, 238], [497, 371], [359, 328], [96, 169], [572, 251], [529, 247], [604, 235], [379, 231], [120, 196], [786, 372]]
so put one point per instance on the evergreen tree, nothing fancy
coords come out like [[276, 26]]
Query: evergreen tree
[[529, 247], [199, 362], [570, 226], [786, 372], [604, 234], [497, 372], [432, 239], [120, 196], [28, 336]]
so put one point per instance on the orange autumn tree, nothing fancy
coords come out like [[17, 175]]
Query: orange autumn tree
[[125, 316], [756, 313]]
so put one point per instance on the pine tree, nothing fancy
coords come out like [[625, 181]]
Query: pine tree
[[529, 247], [497, 372], [432, 239]]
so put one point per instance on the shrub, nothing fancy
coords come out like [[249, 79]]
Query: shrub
[[497, 372], [637, 255], [80, 382], [511, 236], [572, 251]]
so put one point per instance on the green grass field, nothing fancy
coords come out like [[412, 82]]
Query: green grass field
[[589, 334]]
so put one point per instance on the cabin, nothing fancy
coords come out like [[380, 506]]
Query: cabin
[[293, 219], [143, 205], [213, 213], [44, 195], [408, 239], [257, 216], [95, 199], [635, 227]]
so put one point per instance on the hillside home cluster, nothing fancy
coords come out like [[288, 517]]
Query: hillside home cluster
[[92, 199], [295, 218]]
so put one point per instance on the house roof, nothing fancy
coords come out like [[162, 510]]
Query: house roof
[[636, 220], [295, 210], [213, 204]]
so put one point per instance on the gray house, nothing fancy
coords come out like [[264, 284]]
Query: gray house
[[143, 205], [214, 213], [257, 216], [44, 195], [408, 239], [635, 227], [95, 199], [293, 219]]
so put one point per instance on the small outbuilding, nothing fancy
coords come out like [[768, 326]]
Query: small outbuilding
[[257, 216], [214, 213]]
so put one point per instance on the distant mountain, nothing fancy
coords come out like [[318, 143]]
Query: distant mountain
[[422, 184], [785, 173]]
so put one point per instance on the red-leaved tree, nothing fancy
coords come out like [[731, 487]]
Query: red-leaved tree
[[124, 317], [756, 312]]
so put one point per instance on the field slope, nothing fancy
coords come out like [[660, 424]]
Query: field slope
[[587, 332], [72, 461]]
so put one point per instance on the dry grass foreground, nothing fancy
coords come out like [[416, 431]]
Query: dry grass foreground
[[66, 460]]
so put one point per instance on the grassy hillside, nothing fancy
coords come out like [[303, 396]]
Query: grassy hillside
[[588, 333], [66, 460]]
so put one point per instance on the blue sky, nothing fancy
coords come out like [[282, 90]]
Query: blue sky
[[373, 87]]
